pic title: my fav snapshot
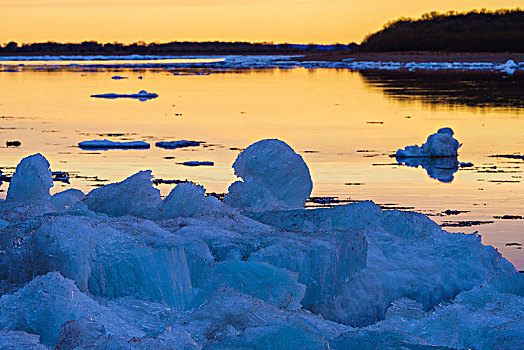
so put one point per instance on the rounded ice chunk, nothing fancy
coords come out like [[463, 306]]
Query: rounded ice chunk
[[274, 177], [440, 144], [31, 180]]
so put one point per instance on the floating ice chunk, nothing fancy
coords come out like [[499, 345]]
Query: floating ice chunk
[[60, 176], [67, 199], [142, 95], [441, 144], [47, 302], [276, 286], [31, 180], [177, 144], [107, 144], [133, 196], [509, 67], [274, 176], [198, 163]]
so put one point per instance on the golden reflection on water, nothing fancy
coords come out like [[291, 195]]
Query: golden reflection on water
[[343, 129], [47, 63]]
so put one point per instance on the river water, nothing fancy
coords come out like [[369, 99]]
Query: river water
[[345, 124]]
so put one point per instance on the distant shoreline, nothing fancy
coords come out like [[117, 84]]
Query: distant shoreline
[[416, 56], [336, 56]]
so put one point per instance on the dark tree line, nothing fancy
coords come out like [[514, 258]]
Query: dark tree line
[[474, 31], [173, 48]]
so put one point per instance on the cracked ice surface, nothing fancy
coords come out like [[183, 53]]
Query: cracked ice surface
[[123, 268]]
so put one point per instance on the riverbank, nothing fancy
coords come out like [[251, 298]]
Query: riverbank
[[415, 56]]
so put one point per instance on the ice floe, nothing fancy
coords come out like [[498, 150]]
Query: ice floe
[[249, 62], [107, 144], [440, 144], [177, 144], [124, 268], [198, 163], [142, 95]]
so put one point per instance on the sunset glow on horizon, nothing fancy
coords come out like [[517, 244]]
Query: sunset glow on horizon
[[294, 21]]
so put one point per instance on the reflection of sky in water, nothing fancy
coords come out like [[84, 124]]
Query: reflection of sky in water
[[323, 114]]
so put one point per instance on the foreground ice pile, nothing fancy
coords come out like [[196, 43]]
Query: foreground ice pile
[[122, 268], [441, 144]]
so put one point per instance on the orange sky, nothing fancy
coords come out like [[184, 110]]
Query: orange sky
[[298, 21]]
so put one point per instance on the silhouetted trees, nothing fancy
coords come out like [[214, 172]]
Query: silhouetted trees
[[173, 48], [490, 31]]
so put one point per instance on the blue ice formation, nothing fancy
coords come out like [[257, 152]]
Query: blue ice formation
[[123, 268], [273, 177], [31, 180]]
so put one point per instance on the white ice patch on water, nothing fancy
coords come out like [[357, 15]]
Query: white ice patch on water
[[177, 144], [252, 62], [107, 144]]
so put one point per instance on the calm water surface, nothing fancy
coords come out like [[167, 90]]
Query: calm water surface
[[345, 124]]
